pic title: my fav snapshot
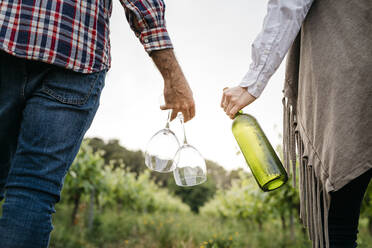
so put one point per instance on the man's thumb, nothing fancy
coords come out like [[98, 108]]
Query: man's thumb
[[164, 107]]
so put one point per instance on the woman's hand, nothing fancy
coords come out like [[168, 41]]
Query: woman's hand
[[234, 99]]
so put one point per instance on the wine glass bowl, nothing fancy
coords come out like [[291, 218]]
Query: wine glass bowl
[[190, 168], [164, 154], [160, 151]]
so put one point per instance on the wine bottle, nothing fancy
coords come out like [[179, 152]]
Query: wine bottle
[[258, 152]]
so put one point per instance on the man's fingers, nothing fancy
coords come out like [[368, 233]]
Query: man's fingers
[[186, 112], [174, 114], [192, 111], [165, 107], [173, 111], [186, 115]]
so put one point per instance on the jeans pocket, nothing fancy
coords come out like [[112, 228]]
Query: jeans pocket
[[69, 87]]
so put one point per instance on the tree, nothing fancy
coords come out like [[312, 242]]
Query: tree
[[194, 196], [243, 201], [219, 174], [116, 154], [285, 204], [85, 178], [134, 161]]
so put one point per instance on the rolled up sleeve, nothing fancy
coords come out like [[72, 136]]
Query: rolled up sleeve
[[147, 19]]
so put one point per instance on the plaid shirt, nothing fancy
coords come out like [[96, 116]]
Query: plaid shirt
[[75, 33]]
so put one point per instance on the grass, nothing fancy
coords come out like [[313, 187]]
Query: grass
[[112, 229], [133, 230]]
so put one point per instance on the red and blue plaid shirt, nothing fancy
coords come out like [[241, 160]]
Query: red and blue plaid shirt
[[75, 33]]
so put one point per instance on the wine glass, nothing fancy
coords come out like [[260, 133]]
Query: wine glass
[[161, 148], [190, 168]]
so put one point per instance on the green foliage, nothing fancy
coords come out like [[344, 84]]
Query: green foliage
[[84, 179], [113, 186], [139, 209], [85, 174], [169, 230], [366, 210], [115, 154], [195, 196], [140, 194], [367, 202], [220, 176], [133, 162], [243, 201]]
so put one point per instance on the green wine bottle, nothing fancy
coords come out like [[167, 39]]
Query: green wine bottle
[[258, 152]]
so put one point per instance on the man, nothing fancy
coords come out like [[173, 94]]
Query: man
[[53, 61]]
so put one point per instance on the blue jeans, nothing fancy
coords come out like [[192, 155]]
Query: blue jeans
[[44, 113]]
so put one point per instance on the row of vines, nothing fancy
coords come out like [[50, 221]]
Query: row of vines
[[99, 187], [110, 204]]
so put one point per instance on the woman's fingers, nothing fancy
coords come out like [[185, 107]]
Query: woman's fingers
[[222, 100], [234, 99], [233, 111], [229, 106], [223, 97]]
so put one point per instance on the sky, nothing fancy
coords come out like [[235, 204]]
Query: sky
[[212, 41]]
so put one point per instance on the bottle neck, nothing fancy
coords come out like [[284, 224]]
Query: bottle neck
[[245, 115], [240, 112]]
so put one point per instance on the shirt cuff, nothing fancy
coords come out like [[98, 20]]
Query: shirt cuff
[[254, 82], [155, 39]]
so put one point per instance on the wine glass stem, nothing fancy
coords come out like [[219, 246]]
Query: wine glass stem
[[168, 119], [184, 130]]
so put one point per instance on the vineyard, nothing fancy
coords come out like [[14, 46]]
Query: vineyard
[[111, 200]]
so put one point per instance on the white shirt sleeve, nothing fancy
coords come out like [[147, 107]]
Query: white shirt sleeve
[[281, 26]]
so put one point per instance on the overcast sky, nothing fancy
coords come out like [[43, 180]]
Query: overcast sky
[[212, 40]]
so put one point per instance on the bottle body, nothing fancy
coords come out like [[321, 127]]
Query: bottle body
[[258, 153]]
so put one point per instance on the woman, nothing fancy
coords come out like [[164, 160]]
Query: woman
[[327, 106]]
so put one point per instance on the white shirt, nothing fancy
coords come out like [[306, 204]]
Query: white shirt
[[281, 26]]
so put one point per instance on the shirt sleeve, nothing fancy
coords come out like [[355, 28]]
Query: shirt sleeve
[[281, 26], [146, 19]]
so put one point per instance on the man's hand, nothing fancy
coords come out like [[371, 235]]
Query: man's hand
[[177, 92], [234, 99]]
